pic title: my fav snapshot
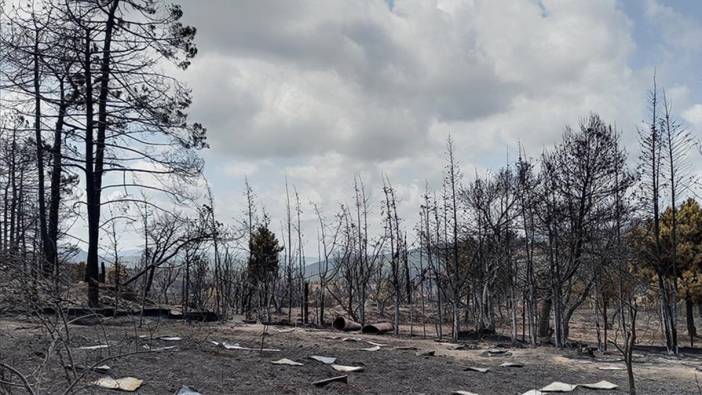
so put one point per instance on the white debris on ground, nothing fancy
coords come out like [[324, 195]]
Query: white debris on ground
[[347, 369], [236, 346], [558, 386], [286, 361], [610, 368], [129, 384], [170, 338], [166, 348], [97, 347], [324, 360], [600, 385], [185, 390]]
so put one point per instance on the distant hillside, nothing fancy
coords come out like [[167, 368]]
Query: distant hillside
[[312, 269], [128, 257]]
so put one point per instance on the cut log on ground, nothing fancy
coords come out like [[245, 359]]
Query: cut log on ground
[[343, 324], [378, 328]]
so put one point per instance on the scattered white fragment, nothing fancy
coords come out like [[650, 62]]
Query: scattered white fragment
[[477, 369], [325, 360], [610, 368], [344, 368], [332, 337], [143, 336], [171, 338], [558, 386], [286, 361], [533, 392], [129, 384], [185, 390], [495, 351], [376, 344], [512, 365], [341, 379], [351, 339], [236, 346], [166, 348], [463, 393], [285, 330], [374, 348], [230, 346], [216, 343], [99, 346], [601, 385], [100, 369]]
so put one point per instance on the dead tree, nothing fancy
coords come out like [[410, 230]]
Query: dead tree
[[527, 183], [327, 242], [301, 263], [288, 251], [394, 236], [651, 173], [427, 209], [677, 142], [456, 280], [129, 106], [580, 184]]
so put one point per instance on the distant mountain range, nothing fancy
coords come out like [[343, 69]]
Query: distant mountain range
[[132, 256], [312, 269], [127, 256]]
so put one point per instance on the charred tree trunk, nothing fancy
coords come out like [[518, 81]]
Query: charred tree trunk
[[51, 246], [45, 264], [690, 318], [544, 319], [95, 147]]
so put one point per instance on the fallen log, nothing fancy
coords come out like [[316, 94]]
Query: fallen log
[[378, 328], [342, 324], [201, 316]]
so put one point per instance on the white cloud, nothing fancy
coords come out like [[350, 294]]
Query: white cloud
[[693, 115], [241, 169], [321, 91], [678, 30], [370, 82]]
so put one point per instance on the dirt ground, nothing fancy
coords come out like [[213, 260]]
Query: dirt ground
[[198, 363]]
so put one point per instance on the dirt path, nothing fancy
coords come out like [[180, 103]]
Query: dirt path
[[197, 362]]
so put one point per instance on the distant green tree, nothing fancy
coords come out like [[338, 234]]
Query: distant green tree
[[681, 257], [685, 252], [263, 264]]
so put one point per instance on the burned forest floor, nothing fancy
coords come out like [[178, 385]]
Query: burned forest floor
[[168, 354]]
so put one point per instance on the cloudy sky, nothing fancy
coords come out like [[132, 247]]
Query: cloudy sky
[[317, 91]]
